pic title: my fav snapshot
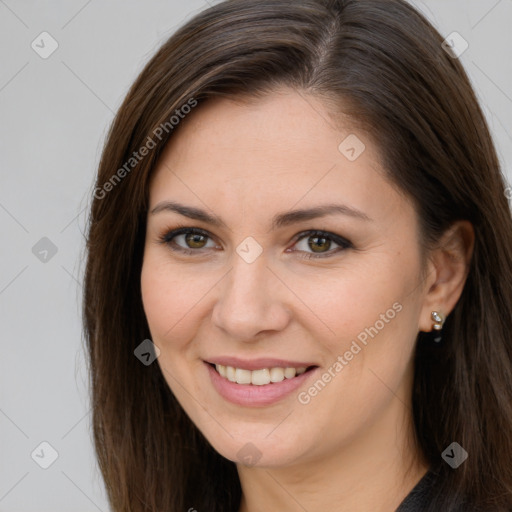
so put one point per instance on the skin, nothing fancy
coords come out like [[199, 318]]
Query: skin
[[352, 446]]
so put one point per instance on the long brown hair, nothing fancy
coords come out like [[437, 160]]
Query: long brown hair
[[383, 63]]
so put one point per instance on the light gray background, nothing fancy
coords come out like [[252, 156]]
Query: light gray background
[[54, 115]]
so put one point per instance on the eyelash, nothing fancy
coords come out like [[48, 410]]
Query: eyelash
[[167, 239]]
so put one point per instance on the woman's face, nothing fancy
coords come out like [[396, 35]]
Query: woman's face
[[265, 289]]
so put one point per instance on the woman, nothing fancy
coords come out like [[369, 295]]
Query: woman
[[235, 367]]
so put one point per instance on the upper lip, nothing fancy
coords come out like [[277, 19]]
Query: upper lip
[[259, 363]]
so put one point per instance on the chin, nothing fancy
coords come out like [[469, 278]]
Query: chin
[[258, 450]]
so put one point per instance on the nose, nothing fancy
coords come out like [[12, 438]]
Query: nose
[[251, 300]]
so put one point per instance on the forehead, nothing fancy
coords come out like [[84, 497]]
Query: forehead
[[273, 151]]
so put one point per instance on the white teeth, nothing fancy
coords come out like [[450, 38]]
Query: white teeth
[[276, 374], [243, 376], [230, 373], [258, 377], [289, 373]]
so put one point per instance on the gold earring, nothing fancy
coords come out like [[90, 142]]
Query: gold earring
[[438, 320]]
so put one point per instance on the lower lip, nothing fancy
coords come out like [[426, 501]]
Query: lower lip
[[256, 396]]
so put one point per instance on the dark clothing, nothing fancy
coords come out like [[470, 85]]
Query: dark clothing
[[416, 500], [420, 496]]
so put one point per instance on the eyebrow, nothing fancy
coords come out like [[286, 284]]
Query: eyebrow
[[279, 220]]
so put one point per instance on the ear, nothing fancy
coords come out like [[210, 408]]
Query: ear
[[448, 267]]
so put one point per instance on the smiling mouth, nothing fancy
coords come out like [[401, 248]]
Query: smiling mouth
[[259, 377]]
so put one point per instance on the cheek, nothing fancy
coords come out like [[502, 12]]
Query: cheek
[[165, 302], [372, 316], [368, 358], [349, 300], [169, 304]]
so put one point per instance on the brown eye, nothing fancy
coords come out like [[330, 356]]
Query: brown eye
[[195, 240], [320, 244], [188, 240]]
